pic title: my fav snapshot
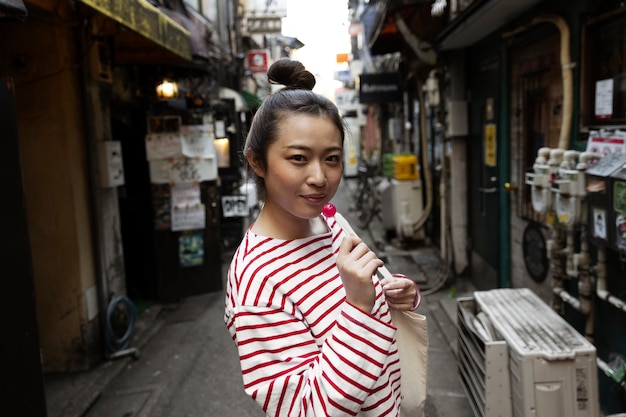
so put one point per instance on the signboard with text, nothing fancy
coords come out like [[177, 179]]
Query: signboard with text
[[277, 8], [380, 88], [257, 60]]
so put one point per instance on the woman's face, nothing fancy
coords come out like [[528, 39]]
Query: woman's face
[[304, 167]]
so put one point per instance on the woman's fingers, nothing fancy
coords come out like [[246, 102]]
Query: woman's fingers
[[400, 292], [357, 264]]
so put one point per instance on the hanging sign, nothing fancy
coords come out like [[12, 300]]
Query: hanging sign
[[258, 60], [235, 206], [380, 88]]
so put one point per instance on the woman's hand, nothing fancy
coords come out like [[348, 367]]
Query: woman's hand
[[401, 292], [357, 265]]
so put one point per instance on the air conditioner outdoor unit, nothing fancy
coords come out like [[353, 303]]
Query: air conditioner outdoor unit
[[547, 369]]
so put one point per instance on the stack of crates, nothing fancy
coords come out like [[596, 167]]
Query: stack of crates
[[405, 167], [401, 167]]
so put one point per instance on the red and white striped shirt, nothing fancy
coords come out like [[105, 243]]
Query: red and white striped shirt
[[304, 350]]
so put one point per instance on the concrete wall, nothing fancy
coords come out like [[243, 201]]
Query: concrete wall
[[41, 56], [536, 72]]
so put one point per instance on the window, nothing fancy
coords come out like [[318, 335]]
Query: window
[[603, 91]]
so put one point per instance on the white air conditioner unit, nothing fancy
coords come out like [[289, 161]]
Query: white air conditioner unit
[[550, 367]]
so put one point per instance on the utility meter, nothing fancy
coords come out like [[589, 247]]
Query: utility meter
[[600, 189], [569, 190], [618, 185], [540, 178]]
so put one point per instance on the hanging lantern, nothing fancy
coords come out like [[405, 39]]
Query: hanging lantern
[[167, 90]]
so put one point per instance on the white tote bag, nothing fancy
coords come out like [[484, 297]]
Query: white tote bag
[[412, 339]]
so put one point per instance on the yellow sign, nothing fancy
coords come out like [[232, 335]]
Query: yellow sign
[[147, 20], [490, 145]]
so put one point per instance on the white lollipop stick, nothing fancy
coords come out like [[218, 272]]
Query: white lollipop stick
[[345, 225]]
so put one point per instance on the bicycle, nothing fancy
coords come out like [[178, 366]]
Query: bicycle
[[366, 197]]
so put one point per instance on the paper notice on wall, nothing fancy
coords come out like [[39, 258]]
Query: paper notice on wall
[[197, 141], [603, 142], [188, 218], [160, 171], [184, 195], [182, 170], [191, 248], [163, 146], [604, 99]]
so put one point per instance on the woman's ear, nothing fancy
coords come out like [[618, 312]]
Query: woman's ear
[[256, 164]]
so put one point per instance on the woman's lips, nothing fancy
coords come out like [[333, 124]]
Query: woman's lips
[[316, 198]]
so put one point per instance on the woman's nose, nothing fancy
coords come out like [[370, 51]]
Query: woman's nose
[[317, 176]]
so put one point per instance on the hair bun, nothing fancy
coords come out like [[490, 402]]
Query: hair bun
[[291, 74]]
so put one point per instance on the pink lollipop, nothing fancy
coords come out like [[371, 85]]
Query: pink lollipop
[[329, 210]]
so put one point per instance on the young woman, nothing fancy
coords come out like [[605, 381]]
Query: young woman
[[309, 318]]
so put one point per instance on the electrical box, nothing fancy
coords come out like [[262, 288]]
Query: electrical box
[[600, 197], [618, 187], [552, 367], [110, 163]]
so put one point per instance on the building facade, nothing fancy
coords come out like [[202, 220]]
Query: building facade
[[520, 99]]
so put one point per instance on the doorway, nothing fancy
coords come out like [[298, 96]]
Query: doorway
[[484, 184]]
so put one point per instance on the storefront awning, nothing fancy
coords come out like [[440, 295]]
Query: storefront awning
[[12, 10], [150, 23], [381, 26], [480, 19], [240, 102]]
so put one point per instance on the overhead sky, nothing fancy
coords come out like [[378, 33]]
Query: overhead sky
[[322, 25]]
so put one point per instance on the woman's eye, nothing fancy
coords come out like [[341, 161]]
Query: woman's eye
[[334, 158], [298, 158]]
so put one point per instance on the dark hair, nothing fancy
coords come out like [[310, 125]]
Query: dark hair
[[296, 97]]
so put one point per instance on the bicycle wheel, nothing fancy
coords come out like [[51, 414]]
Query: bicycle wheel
[[365, 204]]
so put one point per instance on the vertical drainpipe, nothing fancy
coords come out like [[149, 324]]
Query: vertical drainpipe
[[504, 172]]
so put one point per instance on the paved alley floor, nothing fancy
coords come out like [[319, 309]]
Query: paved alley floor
[[188, 366]]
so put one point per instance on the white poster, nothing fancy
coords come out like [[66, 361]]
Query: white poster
[[162, 146], [159, 171], [604, 99], [197, 141], [182, 170], [192, 170], [188, 218], [185, 195]]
